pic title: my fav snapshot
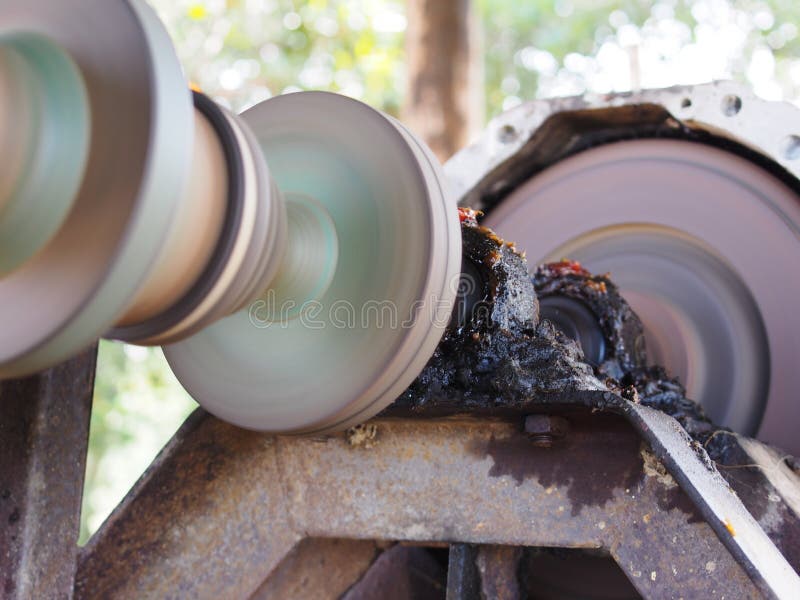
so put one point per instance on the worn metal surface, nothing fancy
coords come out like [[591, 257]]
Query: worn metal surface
[[685, 459], [766, 485], [192, 528], [401, 573], [498, 567], [44, 430], [209, 519], [463, 578], [319, 569], [719, 505]]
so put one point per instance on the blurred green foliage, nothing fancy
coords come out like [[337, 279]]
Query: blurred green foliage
[[138, 405], [544, 48], [244, 51]]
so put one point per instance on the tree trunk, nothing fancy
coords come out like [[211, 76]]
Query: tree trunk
[[444, 100]]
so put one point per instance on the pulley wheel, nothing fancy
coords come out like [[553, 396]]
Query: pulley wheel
[[137, 118], [704, 245], [369, 204]]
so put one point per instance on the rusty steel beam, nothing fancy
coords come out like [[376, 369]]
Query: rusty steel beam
[[401, 573], [221, 507], [44, 431], [478, 572], [721, 508], [209, 519], [755, 547], [498, 567], [320, 569], [767, 486], [463, 578]]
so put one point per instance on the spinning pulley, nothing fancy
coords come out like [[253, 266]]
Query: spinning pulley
[[697, 222], [133, 209]]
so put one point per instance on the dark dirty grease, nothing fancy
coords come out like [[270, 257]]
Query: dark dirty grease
[[622, 329], [500, 355], [497, 355]]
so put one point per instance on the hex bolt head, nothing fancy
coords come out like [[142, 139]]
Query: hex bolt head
[[545, 430]]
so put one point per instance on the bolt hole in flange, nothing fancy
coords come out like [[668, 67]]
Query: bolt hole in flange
[[731, 105], [790, 148], [702, 243]]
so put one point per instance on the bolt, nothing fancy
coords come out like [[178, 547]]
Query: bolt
[[545, 430]]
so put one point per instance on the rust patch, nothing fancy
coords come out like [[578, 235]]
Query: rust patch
[[44, 428], [362, 436]]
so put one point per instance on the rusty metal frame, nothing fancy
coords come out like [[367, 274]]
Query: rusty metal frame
[[44, 432], [228, 512], [221, 508]]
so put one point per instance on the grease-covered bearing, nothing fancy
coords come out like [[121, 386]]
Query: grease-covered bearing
[[570, 296], [625, 359], [498, 355]]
